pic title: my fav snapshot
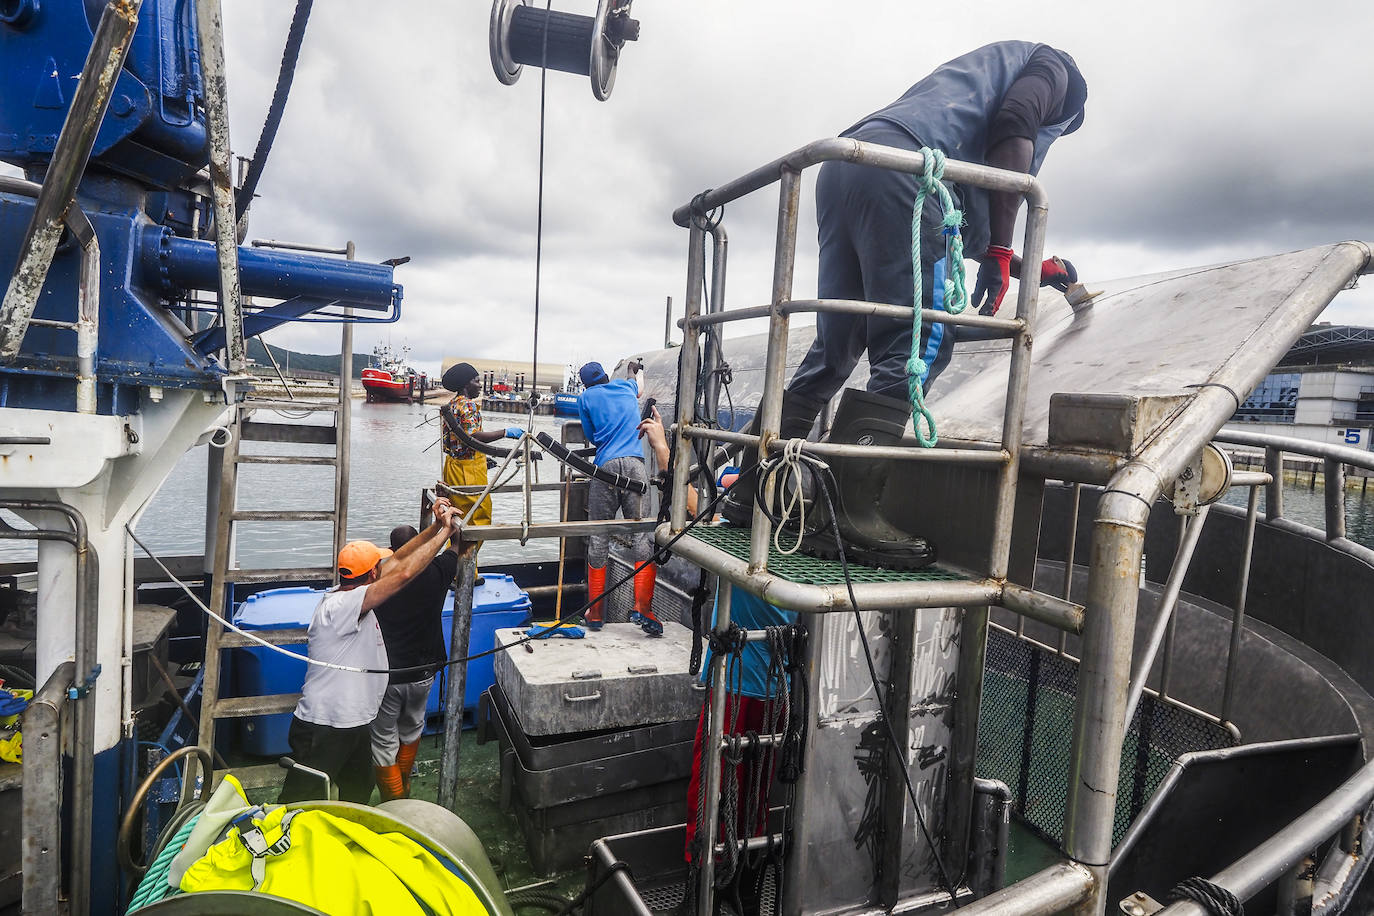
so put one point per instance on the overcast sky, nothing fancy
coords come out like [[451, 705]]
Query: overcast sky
[[1214, 131]]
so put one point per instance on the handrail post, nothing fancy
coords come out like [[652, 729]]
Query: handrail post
[[1238, 612], [710, 764], [770, 407], [688, 357], [41, 843], [1273, 492], [1334, 480]]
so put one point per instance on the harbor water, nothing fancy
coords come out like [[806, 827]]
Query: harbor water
[[395, 454]]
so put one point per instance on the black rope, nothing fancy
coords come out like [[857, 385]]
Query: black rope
[[699, 595], [1214, 898], [289, 56]]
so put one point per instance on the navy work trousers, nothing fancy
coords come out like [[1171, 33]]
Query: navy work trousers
[[864, 219]]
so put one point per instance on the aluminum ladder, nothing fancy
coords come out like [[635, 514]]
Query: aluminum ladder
[[248, 428]]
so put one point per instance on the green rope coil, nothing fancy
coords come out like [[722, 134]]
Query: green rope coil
[[154, 885], [955, 298]]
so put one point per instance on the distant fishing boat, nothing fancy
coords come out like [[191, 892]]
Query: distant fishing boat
[[389, 378], [565, 405]]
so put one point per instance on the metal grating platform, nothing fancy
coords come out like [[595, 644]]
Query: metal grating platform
[[809, 570]]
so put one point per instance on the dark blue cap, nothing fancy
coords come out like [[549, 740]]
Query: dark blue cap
[[592, 374]]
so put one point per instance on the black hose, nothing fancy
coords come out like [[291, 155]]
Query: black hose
[[290, 55], [586, 468], [486, 448], [538, 900]]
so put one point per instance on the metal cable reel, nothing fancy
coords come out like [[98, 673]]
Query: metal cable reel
[[585, 45]]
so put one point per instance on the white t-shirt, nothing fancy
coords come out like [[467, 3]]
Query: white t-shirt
[[338, 634]]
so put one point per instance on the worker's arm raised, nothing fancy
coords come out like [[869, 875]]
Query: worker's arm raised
[[412, 558]]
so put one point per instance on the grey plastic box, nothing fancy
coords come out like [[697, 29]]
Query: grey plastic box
[[616, 678]]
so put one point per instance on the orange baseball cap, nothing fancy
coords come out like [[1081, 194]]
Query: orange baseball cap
[[358, 558]]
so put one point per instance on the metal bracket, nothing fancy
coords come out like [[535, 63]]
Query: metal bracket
[[1187, 487], [79, 691], [1140, 904]]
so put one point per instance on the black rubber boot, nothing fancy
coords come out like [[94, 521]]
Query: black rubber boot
[[799, 414], [867, 419]]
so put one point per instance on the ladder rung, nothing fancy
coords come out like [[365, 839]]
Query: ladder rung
[[283, 515], [312, 406], [277, 637], [293, 574], [254, 431], [261, 776], [287, 459], [239, 707]]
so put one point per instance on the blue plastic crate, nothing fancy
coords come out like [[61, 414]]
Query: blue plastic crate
[[499, 602]]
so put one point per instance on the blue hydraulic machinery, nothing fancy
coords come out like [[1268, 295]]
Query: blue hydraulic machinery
[[146, 196], [127, 298]]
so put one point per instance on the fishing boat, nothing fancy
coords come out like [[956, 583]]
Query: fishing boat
[[1122, 688], [564, 404], [388, 378]]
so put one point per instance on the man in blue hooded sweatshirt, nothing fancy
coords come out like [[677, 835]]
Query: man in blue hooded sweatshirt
[[1001, 105], [609, 411]]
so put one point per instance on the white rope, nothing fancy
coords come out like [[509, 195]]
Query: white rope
[[796, 501], [228, 436], [247, 634]]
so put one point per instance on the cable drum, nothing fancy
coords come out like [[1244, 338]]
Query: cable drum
[[585, 45]]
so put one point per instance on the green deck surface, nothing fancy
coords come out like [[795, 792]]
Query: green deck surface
[[809, 570]]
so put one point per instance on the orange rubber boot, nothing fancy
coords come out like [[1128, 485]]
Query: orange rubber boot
[[596, 587], [644, 600], [405, 761], [389, 782]]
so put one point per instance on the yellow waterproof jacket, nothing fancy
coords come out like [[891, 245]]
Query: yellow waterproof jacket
[[333, 865]]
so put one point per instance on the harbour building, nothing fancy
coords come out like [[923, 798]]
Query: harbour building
[[1323, 390]]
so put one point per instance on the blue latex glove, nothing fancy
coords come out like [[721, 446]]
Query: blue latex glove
[[514, 432], [568, 632]]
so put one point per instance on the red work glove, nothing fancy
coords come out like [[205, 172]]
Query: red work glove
[[994, 276], [1058, 273]]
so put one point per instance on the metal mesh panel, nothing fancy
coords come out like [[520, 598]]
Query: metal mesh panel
[[1026, 732], [809, 570], [667, 898]]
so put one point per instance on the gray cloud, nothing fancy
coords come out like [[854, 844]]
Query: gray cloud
[[1214, 131]]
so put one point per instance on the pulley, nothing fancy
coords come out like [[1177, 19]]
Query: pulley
[[586, 45]]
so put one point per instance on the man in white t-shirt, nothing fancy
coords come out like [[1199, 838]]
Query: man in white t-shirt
[[330, 727]]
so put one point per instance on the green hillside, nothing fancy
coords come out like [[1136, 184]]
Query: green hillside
[[312, 362]]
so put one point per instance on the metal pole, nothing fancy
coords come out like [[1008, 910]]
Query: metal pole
[[1100, 703], [1068, 565], [88, 310], [1044, 893], [1238, 615], [1167, 666], [1273, 494], [719, 250], [770, 407], [668, 323], [104, 62], [711, 760], [1334, 480], [41, 843], [344, 427], [687, 373], [1168, 602], [210, 26], [457, 678]]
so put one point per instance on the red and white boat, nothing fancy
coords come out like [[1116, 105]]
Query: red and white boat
[[388, 378]]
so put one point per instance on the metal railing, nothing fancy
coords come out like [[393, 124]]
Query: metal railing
[[986, 587]]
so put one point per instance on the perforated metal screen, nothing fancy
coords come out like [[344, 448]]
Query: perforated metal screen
[[1026, 732]]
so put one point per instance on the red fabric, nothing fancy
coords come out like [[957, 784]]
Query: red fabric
[[596, 587], [389, 782], [750, 718]]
